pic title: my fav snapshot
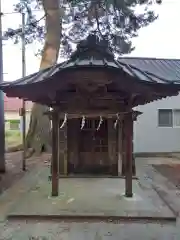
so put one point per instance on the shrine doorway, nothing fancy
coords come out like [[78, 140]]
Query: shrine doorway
[[93, 147]]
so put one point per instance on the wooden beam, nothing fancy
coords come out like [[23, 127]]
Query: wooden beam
[[88, 115], [91, 105], [55, 168], [94, 113], [69, 95], [136, 114]]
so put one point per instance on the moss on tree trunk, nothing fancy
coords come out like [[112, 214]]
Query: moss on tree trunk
[[39, 134]]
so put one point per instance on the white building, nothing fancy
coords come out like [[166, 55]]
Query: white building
[[158, 128]]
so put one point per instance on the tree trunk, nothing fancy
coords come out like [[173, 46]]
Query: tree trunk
[[39, 135]]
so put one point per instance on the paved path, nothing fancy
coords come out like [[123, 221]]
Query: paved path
[[166, 190], [102, 231], [90, 196], [14, 168], [14, 183]]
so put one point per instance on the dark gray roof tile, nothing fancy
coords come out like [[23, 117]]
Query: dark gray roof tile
[[167, 69]]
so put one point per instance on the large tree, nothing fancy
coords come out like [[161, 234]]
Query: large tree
[[66, 23]]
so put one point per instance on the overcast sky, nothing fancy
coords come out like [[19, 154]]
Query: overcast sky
[[161, 39]]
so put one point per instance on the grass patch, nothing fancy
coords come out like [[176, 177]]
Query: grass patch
[[12, 138]]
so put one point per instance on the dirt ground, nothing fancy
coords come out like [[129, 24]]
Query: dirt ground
[[170, 171], [14, 168]]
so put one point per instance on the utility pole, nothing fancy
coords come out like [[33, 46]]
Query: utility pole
[[2, 130], [23, 112]]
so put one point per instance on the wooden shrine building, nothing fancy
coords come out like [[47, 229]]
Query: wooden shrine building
[[92, 97]]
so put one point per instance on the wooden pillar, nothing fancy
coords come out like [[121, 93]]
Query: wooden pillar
[[134, 116], [65, 151], [123, 148], [133, 160], [63, 154], [112, 149], [128, 128], [73, 144], [122, 154], [119, 148], [55, 167]]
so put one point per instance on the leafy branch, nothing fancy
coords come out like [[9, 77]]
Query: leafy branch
[[113, 20]]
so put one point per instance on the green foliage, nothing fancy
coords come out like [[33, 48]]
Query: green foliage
[[12, 133], [15, 121], [14, 124], [12, 138], [113, 20]]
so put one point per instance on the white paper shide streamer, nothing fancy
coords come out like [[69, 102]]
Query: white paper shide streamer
[[83, 122], [65, 120], [116, 122], [100, 122]]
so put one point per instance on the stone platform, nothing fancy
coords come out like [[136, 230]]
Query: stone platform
[[87, 198]]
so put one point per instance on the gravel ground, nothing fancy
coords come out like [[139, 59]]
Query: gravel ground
[[86, 231]]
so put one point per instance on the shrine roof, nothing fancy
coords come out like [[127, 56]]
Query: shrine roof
[[92, 68], [92, 53], [163, 68]]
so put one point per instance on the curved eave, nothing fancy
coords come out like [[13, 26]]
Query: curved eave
[[161, 90], [162, 87], [49, 73], [138, 100], [145, 100]]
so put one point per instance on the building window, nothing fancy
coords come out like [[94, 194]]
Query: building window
[[169, 117], [176, 117]]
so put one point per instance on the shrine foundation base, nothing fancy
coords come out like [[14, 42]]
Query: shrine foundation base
[[88, 197]]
